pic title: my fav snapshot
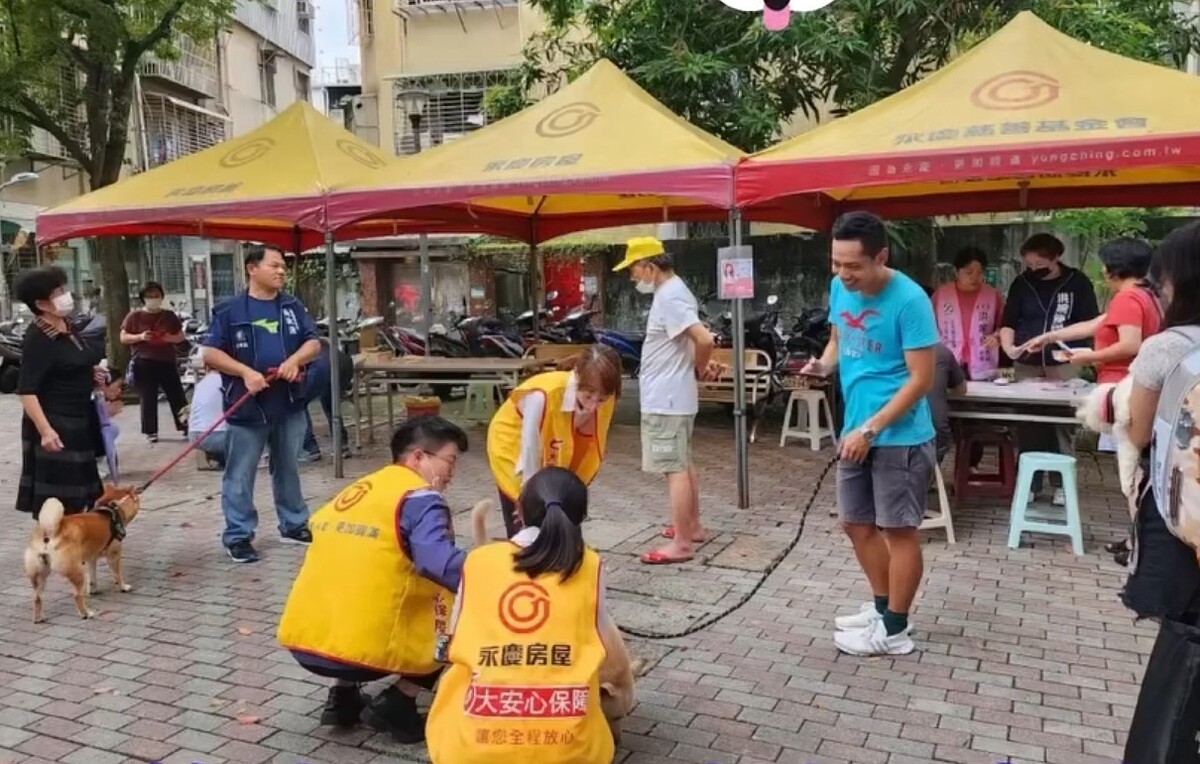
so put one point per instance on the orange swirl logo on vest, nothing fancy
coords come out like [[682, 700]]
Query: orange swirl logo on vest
[[524, 607]]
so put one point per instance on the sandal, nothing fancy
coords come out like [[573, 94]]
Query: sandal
[[659, 557], [669, 533]]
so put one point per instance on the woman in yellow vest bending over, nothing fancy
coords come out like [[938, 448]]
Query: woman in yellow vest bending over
[[376, 590], [523, 684], [559, 418]]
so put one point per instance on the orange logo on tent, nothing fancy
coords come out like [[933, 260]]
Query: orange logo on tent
[[359, 154], [1019, 89], [524, 607], [567, 120], [247, 153], [352, 495]]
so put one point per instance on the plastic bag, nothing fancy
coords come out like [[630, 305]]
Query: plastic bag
[[1166, 723]]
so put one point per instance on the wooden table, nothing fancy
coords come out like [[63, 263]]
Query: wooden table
[[412, 371], [1043, 401]]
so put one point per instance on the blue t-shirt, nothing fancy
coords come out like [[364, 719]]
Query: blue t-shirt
[[873, 334]]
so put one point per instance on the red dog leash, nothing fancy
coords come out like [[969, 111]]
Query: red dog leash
[[193, 444]]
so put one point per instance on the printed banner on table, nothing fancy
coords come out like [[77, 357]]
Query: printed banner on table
[[735, 273]]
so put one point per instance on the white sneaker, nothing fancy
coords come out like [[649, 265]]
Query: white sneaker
[[874, 640], [866, 616], [1060, 498]]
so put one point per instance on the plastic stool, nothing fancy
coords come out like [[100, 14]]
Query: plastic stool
[[943, 519], [1001, 483], [480, 404], [1028, 519], [808, 418]]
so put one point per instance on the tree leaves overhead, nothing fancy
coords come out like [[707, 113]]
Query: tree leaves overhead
[[725, 73]]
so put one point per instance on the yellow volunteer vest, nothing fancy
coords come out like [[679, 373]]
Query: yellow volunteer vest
[[523, 683], [358, 599], [559, 440]]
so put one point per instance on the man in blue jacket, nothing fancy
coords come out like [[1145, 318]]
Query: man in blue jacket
[[251, 334]]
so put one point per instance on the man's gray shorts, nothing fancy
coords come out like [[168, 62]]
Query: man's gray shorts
[[889, 489]]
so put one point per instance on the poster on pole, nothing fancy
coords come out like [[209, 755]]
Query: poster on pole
[[735, 273]]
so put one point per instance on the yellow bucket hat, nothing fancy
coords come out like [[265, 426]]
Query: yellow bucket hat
[[638, 249]]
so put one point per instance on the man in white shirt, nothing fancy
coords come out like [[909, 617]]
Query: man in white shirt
[[675, 354], [207, 405]]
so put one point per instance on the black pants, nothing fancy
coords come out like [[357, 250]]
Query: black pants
[[508, 508], [151, 376], [346, 672], [1166, 580]]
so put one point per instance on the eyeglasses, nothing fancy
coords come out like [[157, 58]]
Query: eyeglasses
[[451, 462]]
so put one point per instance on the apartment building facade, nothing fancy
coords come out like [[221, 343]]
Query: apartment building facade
[[258, 66]]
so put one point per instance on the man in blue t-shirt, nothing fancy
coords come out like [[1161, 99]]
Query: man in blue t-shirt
[[252, 334], [883, 344]]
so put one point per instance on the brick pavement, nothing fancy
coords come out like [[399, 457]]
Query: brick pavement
[[1024, 654]]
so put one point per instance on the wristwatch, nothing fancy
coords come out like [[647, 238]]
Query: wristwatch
[[868, 432]]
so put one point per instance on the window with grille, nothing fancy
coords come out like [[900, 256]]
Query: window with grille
[[266, 75], [452, 107], [175, 129], [167, 260], [304, 16]]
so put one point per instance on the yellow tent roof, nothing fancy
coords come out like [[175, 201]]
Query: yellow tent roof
[[598, 152], [1029, 118], [261, 185]]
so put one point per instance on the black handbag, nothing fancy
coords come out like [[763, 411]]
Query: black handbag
[[1166, 723]]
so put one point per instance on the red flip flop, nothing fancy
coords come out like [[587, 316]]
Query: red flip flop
[[659, 557], [669, 533]]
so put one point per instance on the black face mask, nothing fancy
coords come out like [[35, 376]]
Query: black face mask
[[1039, 273]]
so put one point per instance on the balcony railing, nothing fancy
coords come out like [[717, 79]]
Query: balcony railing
[[453, 107], [176, 128], [424, 7], [195, 69]]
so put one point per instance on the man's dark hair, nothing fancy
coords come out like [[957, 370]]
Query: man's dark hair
[[1126, 257], [1177, 261], [255, 253], [38, 284], [968, 255], [1044, 244], [664, 262], [151, 286], [867, 229], [428, 433]]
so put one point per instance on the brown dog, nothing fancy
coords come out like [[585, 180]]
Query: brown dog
[[71, 545], [616, 673]]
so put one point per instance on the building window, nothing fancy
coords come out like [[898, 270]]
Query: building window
[[304, 16], [266, 75], [303, 88], [451, 108], [367, 8], [167, 263]]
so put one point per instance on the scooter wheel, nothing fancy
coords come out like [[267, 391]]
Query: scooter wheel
[[10, 377]]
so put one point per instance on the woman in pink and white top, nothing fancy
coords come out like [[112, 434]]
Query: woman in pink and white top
[[968, 315]]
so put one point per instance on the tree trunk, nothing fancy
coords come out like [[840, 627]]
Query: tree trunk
[[114, 281]]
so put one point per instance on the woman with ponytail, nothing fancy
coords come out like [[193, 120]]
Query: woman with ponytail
[[560, 419], [530, 641]]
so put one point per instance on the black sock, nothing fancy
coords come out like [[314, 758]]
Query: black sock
[[895, 622], [881, 603]]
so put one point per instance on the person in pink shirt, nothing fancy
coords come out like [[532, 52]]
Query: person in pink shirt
[[968, 315]]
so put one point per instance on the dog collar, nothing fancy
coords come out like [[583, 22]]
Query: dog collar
[[1110, 406]]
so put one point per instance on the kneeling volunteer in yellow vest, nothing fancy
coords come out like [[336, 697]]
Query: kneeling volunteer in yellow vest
[[375, 593], [559, 418], [523, 683]]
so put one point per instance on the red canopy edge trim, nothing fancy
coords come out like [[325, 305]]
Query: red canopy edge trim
[[760, 181], [710, 184]]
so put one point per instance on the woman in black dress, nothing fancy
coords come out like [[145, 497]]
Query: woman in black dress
[[60, 431]]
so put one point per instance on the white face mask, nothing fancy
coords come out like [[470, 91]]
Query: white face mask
[[154, 303], [645, 287], [64, 304]]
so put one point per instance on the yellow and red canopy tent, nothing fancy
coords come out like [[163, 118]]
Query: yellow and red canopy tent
[[1028, 119], [268, 185], [599, 152]]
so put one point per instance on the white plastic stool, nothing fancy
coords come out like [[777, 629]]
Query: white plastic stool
[[943, 519], [808, 418]]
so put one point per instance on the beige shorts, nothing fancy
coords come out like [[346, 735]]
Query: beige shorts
[[666, 443]]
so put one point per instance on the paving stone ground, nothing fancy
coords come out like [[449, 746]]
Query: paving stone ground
[[1023, 655]]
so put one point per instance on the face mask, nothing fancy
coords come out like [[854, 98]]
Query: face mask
[[645, 287], [154, 303], [64, 304], [1039, 273]]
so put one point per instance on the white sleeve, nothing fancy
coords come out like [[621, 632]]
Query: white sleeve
[[529, 460], [454, 612], [679, 314]]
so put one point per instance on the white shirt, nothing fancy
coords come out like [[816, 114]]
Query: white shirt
[[667, 378], [207, 405]]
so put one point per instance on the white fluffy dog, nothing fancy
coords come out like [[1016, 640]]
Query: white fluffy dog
[[1106, 411]]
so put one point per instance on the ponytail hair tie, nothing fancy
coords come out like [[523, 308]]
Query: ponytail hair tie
[[554, 503]]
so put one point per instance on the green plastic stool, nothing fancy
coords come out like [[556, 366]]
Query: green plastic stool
[[1026, 518], [480, 404]]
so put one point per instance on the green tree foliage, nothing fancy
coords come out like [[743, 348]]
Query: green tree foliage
[[69, 67], [725, 73]]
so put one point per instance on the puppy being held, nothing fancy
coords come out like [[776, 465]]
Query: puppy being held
[[617, 672], [71, 544], [1106, 411]]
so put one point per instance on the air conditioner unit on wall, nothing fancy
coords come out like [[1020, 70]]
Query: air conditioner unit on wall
[[304, 9]]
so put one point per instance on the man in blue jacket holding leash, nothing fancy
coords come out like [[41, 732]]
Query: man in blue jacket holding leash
[[252, 334]]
